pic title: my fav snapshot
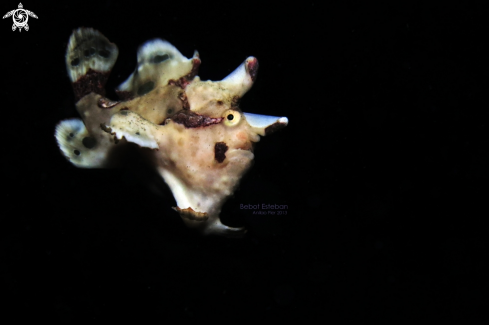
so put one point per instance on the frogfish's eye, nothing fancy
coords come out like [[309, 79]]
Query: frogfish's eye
[[231, 117]]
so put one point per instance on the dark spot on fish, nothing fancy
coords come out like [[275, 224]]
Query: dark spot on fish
[[75, 62], [137, 133], [146, 88], [89, 52], [89, 142], [76, 152], [220, 149], [72, 135], [160, 58], [104, 53], [124, 112], [219, 102], [170, 111]]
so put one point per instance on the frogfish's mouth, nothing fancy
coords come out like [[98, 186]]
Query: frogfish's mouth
[[240, 151]]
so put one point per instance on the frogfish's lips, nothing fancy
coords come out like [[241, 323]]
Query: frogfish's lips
[[243, 153], [250, 149], [265, 124]]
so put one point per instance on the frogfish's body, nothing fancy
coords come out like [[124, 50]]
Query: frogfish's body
[[199, 140]]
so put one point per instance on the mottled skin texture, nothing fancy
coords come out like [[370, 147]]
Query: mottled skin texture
[[199, 140], [186, 158]]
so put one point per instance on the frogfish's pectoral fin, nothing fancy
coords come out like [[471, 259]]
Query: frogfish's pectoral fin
[[89, 59], [14, 27], [78, 146], [134, 128]]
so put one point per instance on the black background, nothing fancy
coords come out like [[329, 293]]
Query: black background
[[383, 167]]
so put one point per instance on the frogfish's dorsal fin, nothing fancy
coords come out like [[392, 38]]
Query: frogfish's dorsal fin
[[159, 63], [89, 58]]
